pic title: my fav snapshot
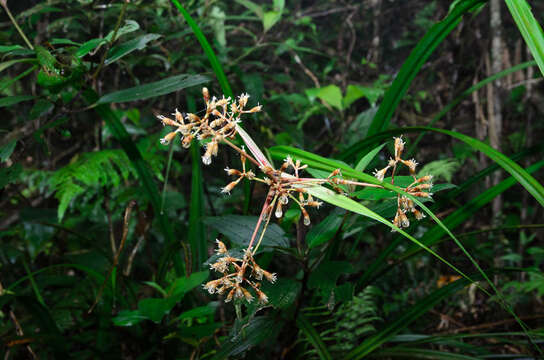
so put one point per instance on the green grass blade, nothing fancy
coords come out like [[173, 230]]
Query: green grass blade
[[118, 130], [313, 336], [216, 66], [467, 92], [353, 206], [346, 203], [413, 63], [529, 28], [433, 235], [468, 210]]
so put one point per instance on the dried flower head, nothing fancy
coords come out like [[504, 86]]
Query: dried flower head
[[238, 273], [420, 187], [218, 123]]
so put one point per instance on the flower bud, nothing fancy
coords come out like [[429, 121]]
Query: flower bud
[[205, 94], [255, 109], [167, 121], [279, 212], [168, 138]]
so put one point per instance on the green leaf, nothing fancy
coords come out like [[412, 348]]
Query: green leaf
[[330, 94], [325, 230], [198, 312], [7, 150], [313, 336], [256, 9], [415, 61], [10, 174], [183, 285], [89, 46], [139, 43], [9, 48], [12, 100], [530, 29], [365, 160], [130, 26], [45, 58], [327, 273], [128, 318], [239, 229], [154, 309], [6, 64], [259, 329], [154, 89], [216, 66], [355, 92], [270, 18], [283, 293], [118, 130]]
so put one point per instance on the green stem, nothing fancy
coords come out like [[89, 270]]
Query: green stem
[[19, 30], [115, 30]]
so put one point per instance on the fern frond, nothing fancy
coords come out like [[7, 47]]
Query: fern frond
[[90, 170]]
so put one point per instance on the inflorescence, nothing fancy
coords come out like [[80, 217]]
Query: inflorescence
[[235, 275], [220, 124], [420, 187]]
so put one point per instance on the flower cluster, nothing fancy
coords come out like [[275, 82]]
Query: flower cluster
[[282, 187], [420, 187], [235, 276], [218, 123]]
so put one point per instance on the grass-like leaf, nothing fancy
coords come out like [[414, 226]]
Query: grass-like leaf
[[529, 28], [413, 63], [525, 180], [210, 54], [313, 337]]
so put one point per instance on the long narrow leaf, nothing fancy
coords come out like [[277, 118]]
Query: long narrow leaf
[[216, 66], [525, 180], [413, 63], [529, 28], [467, 92], [313, 337]]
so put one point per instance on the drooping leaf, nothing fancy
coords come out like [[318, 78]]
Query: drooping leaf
[[324, 230], [239, 228], [154, 89], [530, 29], [12, 100], [139, 43], [415, 61]]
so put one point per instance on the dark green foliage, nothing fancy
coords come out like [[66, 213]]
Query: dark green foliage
[[107, 236]]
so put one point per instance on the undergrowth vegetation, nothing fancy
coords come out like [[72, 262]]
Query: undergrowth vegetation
[[142, 217]]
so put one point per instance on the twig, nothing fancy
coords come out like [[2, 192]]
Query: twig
[[19, 30], [113, 38]]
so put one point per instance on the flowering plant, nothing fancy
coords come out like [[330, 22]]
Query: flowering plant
[[220, 124]]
